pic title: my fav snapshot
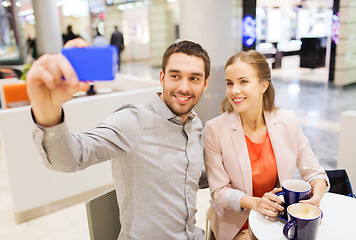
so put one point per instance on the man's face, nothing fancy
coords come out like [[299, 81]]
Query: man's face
[[183, 83]]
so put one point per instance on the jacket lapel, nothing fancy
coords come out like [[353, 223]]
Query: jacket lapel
[[241, 152], [275, 132]]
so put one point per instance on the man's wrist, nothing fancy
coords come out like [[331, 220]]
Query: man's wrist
[[47, 118]]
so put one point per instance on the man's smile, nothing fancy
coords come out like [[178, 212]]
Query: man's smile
[[182, 99]]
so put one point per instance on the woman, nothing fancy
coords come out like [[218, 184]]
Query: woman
[[252, 148]]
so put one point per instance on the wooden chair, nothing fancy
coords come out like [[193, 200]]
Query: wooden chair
[[14, 95]]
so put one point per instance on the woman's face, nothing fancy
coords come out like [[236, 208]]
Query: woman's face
[[243, 88]]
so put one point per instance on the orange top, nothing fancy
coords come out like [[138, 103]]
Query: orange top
[[264, 167]]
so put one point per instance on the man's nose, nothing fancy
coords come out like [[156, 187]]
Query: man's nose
[[184, 85]]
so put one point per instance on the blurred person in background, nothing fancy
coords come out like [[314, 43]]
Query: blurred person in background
[[117, 39], [69, 35], [99, 39]]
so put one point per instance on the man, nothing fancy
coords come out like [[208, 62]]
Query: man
[[155, 148], [99, 39], [69, 35], [117, 39]]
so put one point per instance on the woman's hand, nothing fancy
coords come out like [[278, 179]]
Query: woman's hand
[[318, 190], [269, 204]]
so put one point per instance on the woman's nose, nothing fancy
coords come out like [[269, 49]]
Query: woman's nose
[[236, 89]]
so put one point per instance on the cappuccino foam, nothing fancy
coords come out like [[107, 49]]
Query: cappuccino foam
[[303, 211]]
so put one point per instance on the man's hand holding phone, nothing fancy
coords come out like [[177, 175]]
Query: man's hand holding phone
[[46, 88]]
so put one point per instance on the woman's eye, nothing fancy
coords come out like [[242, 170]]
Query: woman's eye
[[229, 84]]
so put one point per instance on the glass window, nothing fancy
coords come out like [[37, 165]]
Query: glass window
[[10, 53]]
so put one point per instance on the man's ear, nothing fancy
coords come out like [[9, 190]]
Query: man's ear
[[206, 83], [161, 77]]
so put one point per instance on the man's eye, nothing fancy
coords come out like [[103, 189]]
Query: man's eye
[[174, 76]]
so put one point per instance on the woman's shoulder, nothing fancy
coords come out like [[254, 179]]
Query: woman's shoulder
[[283, 112], [216, 127], [281, 115], [219, 119]]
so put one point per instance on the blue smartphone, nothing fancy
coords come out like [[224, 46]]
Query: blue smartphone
[[93, 63]]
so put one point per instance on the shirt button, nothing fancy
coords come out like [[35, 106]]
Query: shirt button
[[51, 134]]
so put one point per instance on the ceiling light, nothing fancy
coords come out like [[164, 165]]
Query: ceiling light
[[6, 4]]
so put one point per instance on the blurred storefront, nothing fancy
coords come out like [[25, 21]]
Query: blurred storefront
[[279, 27], [132, 19], [135, 19], [283, 27]]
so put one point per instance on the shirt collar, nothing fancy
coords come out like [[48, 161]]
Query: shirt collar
[[161, 109]]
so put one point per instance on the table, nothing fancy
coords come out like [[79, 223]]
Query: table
[[338, 221]]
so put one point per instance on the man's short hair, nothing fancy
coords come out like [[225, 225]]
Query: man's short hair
[[189, 48]]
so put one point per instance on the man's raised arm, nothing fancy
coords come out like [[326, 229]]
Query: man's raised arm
[[47, 88]]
